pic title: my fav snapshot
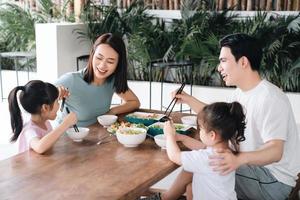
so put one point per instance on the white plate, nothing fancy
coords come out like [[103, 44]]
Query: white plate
[[146, 115], [183, 127]]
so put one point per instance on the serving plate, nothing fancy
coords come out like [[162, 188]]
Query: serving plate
[[157, 128], [115, 126], [145, 118]]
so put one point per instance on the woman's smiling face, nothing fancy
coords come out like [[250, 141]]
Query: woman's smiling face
[[105, 61]]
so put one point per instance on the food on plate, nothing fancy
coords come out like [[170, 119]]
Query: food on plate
[[132, 131], [144, 115], [161, 126], [115, 126]]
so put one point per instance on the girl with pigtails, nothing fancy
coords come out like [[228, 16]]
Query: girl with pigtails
[[220, 125], [40, 100]]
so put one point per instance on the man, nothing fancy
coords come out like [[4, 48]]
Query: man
[[268, 164]]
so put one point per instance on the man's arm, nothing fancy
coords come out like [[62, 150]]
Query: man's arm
[[190, 142], [225, 161], [193, 103]]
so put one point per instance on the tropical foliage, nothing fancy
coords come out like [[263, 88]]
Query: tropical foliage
[[194, 37], [17, 24]]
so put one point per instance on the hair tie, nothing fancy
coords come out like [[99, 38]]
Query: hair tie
[[21, 88]]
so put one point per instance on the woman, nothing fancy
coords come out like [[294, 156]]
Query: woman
[[92, 88]]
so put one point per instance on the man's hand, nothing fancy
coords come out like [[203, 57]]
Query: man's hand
[[183, 97], [224, 161]]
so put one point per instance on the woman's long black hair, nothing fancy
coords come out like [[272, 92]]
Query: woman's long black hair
[[33, 95], [120, 73], [226, 119]]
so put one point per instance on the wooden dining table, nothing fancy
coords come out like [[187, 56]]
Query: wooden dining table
[[85, 170]]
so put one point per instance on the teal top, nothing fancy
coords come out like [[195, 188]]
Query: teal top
[[86, 100]]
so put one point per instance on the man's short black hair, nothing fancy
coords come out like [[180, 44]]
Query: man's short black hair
[[242, 44]]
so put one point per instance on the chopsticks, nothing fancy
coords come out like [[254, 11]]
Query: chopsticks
[[62, 104], [174, 99], [74, 126]]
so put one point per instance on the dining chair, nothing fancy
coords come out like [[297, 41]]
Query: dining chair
[[81, 61], [294, 195]]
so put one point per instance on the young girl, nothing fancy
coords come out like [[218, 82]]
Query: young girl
[[221, 126], [40, 99]]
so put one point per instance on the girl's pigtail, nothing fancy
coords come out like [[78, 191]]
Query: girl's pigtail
[[16, 120], [236, 110]]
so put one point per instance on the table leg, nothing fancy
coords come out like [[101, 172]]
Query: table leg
[[1, 79], [16, 69], [150, 85]]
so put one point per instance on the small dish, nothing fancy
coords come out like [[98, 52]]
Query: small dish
[[107, 120], [77, 136], [189, 120]]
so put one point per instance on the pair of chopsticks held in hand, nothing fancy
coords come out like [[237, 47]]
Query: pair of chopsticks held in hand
[[68, 111], [174, 101]]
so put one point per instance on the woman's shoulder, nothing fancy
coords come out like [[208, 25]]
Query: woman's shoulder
[[68, 78], [73, 75]]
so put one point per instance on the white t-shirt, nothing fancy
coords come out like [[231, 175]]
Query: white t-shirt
[[269, 116], [207, 184]]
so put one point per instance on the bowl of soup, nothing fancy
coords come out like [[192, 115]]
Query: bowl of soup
[[131, 137]]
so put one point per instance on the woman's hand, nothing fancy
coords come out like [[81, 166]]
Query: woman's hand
[[63, 92]]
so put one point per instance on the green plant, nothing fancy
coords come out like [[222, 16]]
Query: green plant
[[279, 38], [195, 37], [17, 24], [200, 43], [17, 27], [17, 32]]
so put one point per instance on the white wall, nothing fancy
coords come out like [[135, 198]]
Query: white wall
[[57, 48]]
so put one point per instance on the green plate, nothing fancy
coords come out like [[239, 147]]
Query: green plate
[[143, 118], [157, 128]]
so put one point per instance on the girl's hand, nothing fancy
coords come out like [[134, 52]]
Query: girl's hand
[[63, 92], [169, 129], [70, 119]]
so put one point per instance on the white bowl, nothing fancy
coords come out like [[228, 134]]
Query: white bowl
[[77, 136], [107, 120], [131, 139], [160, 140], [189, 120]]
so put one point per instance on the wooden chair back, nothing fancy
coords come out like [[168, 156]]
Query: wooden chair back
[[294, 195]]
